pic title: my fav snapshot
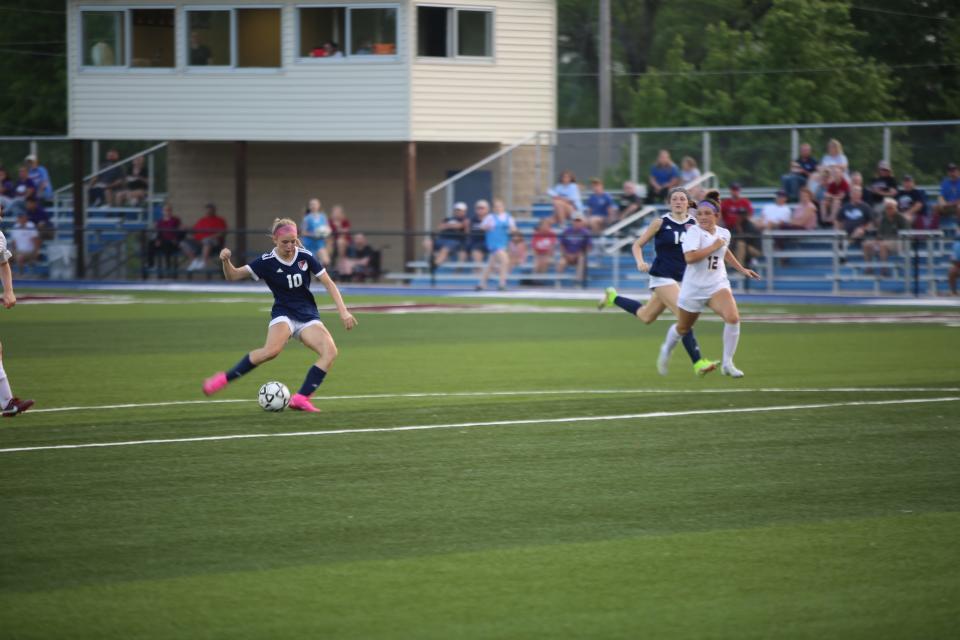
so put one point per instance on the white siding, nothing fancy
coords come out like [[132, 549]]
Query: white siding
[[327, 101], [498, 101]]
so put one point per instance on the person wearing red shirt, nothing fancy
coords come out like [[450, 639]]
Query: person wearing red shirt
[[208, 236], [732, 207], [544, 244]]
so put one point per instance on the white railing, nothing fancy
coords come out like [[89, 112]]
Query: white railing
[[916, 246]]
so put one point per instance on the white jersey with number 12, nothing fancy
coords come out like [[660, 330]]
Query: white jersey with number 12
[[702, 279]]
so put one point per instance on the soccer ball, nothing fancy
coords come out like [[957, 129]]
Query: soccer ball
[[274, 396]]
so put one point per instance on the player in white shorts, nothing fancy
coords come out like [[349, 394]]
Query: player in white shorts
[[705, 282], [10, 405]]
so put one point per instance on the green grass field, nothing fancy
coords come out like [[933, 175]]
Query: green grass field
[[817, 497]]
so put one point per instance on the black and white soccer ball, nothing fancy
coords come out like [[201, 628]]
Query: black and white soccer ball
[[274, 396]]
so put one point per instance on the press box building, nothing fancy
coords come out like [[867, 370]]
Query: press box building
[[242, 91]]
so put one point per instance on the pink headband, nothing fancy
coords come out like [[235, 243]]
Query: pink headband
[[707, 203], [285, 228]]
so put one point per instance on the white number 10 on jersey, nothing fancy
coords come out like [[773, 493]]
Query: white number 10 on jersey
[[294, 281]]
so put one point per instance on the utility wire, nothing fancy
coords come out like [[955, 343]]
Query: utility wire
[[723, 72], [898, 13]]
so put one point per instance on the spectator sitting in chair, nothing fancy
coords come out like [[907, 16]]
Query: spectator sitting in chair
[[664, 175], [774, 215], [835, 157], [629, 201], [7, 190], [835, 192], [805, 215], [40, 218], [948, 202], [25, 241], [730, 208], [746, 245], [166, 242], [137, 183], [883, 185], [566, 197], [688, 170], [339, 233], [516, 250], [544, 244], [208, 237], [362, 262], [41, 178], [912, 203], [884, 242], [452, 238], [24, 187], [800, 171], [574, 244], [601, 206], [107, 187], [855, 216]]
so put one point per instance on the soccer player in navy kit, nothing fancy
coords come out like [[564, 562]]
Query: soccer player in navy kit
[[287, 271], [666, 273]]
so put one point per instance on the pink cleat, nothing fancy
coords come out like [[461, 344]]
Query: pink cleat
[[214, 383], [301, 402]]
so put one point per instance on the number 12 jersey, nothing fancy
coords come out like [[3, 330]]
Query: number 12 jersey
[[704, 278]]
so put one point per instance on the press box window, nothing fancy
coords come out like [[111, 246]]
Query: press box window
[[153, 38], [446, 32], [209, 38], [245, 38], [335, 32], [104, 38]]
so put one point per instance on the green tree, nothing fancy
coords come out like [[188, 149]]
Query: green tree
[[33, 66]]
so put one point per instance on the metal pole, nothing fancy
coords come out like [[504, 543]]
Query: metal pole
[[706, 151], [794, 143], [510, 181], [240, 197], [150, 175], [79, 204], [95, 156], [886, 144], [409, 194], [538, 170], [634, 158], [604, 88]]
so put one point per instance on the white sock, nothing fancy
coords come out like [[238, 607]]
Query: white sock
[[731, 336], [672, 338], [5, 393]]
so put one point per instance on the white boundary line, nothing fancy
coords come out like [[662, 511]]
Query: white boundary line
[[491, 394], [498, 423]]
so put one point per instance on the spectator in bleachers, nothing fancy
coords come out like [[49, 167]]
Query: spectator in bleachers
[[805, 214], [24, 187], [208, 238], [629, 201], [497, 227], [362, 262], [804, 166], [566, 197], [544, 244], [476, 236], [452, 238], [731, 207], [883, 241], [165, 243], [835, 193], [340, 234], [137, 183], [38, 215], [25, 241], [855, 216], [746, 237], [948, 202], [600, 206], [834, 156], [517, 250], [883, 185], [7, 190], [688, 170], [314, 230], [912, 203], [856, 179], [664, 175], [40, 176], [106, 188], [773, 215], [574, 244]]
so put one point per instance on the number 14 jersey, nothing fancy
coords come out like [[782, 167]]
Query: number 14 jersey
[[704, 278], [290, 283]]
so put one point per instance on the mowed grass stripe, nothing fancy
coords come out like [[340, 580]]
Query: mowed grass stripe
[[494, 423], [850, 578]]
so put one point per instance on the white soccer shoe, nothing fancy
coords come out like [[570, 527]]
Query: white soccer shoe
[[663, 360], [732, 371]]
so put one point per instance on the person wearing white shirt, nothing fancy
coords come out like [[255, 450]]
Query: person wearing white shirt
[[775, 215], [705, 283], [566, 197], [25, 240], [835, 157]]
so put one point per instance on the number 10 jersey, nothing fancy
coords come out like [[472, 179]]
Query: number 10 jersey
[[290, 283]]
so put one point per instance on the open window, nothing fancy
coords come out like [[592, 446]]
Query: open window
[[347, 31], [152, 38], [240, 37], [451, 32], [209, 38]]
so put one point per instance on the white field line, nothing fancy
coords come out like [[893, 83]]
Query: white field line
[[492, 394], [497, 423]]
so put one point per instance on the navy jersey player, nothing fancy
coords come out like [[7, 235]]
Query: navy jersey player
[[666, 273], [287, 271]]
